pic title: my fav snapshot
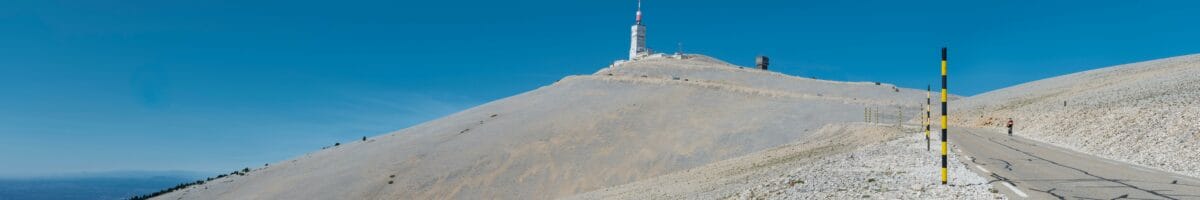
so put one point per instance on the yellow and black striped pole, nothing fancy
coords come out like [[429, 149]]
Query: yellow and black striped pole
[[928, 118], [944, 150]]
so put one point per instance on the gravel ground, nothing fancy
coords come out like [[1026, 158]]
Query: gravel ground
[[842, 161], [899, 169]]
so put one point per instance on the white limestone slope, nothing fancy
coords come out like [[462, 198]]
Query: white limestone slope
[[1146, 113], [839, 161], [579, 134]]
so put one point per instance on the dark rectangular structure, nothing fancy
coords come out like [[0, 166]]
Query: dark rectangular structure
[[761, 62]]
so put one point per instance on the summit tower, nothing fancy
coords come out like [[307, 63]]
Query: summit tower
[[637, 46]]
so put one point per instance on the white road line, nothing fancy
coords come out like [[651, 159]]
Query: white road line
[[1015, 190], [982, 169]]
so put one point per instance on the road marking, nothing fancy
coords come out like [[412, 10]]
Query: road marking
[[1014, 189], [982, 169]]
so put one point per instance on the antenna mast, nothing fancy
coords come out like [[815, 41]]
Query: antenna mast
[[680, 49], [639, 12]]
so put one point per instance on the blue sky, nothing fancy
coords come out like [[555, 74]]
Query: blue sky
[[216, 86]]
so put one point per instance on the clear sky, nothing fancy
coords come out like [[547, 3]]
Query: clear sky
[[221, 85]]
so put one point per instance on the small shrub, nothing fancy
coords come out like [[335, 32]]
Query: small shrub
[[168, 190], [794, 182]]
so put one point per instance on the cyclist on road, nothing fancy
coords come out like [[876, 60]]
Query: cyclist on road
[[1010, 123]]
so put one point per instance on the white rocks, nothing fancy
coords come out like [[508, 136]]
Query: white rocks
[[897, 168], [916, 187]]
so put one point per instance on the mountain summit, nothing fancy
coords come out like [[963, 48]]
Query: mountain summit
[[630, 121]]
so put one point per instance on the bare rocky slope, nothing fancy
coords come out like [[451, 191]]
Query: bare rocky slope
[[631, 121], [1146, 113], [838, 161]]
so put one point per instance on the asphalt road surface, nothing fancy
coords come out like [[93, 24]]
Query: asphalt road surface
[[1027, 169]]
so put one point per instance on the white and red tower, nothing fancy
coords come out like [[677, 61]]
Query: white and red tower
[[637, 46]]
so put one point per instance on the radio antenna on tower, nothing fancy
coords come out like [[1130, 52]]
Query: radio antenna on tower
[[679, 50], [639, 12]]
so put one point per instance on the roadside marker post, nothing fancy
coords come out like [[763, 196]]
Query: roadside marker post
[[944, 115], [928, 118]]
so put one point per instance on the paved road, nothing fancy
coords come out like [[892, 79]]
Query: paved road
[[1026, 169]]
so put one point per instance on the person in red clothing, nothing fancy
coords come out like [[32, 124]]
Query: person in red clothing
[[1010, 122]]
